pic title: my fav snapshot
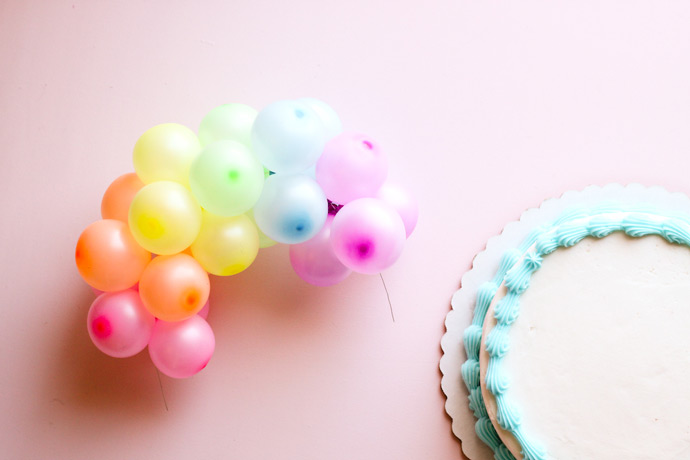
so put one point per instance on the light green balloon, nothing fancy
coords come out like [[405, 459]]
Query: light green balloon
[[226, 179], [228, 122]]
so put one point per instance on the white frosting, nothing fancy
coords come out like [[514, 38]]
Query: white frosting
[[600, 354]]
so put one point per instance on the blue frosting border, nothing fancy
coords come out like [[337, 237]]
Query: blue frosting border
[[515, 270]]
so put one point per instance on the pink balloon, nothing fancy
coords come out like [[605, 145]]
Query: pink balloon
[[204, 310], [367, 235], [181, 349], [119, 324], [351, 166], [403, 202], [315, 261]]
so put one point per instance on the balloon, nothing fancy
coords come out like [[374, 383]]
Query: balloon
[[118, 323], [264, 241], [367, 235], [204, 310], [288, 136], [226, 179], [183, 348], [403, 202], [226, 245], [108, 257], [292, 208], [228, 122], [315, 262], [165, 152], [352, 166], [329, 118], [118, 197], [164, 217], [174, 287]]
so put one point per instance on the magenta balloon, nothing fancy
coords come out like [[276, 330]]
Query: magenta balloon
[[315, 261], [204, 310], [351, 166], [367, 235], [119, 324], [181, 349], [403, 202]]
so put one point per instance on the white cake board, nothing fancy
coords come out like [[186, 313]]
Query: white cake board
[[484, 267]]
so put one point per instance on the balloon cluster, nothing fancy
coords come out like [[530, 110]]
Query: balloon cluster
[[207, 203]]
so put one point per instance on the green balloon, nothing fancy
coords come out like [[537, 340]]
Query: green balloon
[[226, 178], [228, 122]]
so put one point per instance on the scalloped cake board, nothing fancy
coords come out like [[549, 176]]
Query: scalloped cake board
[[483, 269]]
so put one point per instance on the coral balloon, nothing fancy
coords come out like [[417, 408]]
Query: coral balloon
[[228, 122], [174, 287], [329, 118], [315, 262], [164, 217], [182, 349], [108, 257], [288, 136], [226, 245], [118, 197], [352, 166], [204, 310], [367, 235], [119, 324], [292, 208], [165, 152], [403, 202], [226, 179]]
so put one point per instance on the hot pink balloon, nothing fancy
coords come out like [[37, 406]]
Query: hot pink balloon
[[403, 202], [181, 349], [351, 166], [119, 324], [315, 261], [367, 235]]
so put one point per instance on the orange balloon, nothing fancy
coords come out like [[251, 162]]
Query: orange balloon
[[174, 287], [118, 197], [108, 257]]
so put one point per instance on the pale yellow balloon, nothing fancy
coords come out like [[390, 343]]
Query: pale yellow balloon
[[166, 152], [164, 217], [264, 240], [226, 245]]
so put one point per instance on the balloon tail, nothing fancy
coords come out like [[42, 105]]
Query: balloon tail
[[390, 305], [160, 384]]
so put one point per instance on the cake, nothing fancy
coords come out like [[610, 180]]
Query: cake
[[578, 346]]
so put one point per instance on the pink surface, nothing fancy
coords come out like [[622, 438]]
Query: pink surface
[[484, 109]]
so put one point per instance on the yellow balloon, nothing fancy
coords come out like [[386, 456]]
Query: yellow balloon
[[164, 217], [166, 152], [226, 245], [264, 240]]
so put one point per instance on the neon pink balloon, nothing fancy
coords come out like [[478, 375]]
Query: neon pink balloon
[[403, 202], [367, 235], [182, 348], [314, 260], [351, 166], [204, 310], [119, 324]]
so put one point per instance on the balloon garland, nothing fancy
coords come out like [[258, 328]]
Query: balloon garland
[[206, 203]]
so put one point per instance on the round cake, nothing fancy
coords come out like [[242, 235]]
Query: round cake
[[578, 345]]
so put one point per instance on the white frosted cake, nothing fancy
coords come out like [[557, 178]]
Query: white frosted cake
[[579, 346]]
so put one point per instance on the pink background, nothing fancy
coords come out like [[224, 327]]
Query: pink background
[[485, 109]]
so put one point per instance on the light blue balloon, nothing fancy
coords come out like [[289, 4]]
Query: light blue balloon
[[292, 208], [288, 136], [330, 119]]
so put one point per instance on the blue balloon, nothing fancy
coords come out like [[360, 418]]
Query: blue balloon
[[329, 118], [288, 136], [292, 208]]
